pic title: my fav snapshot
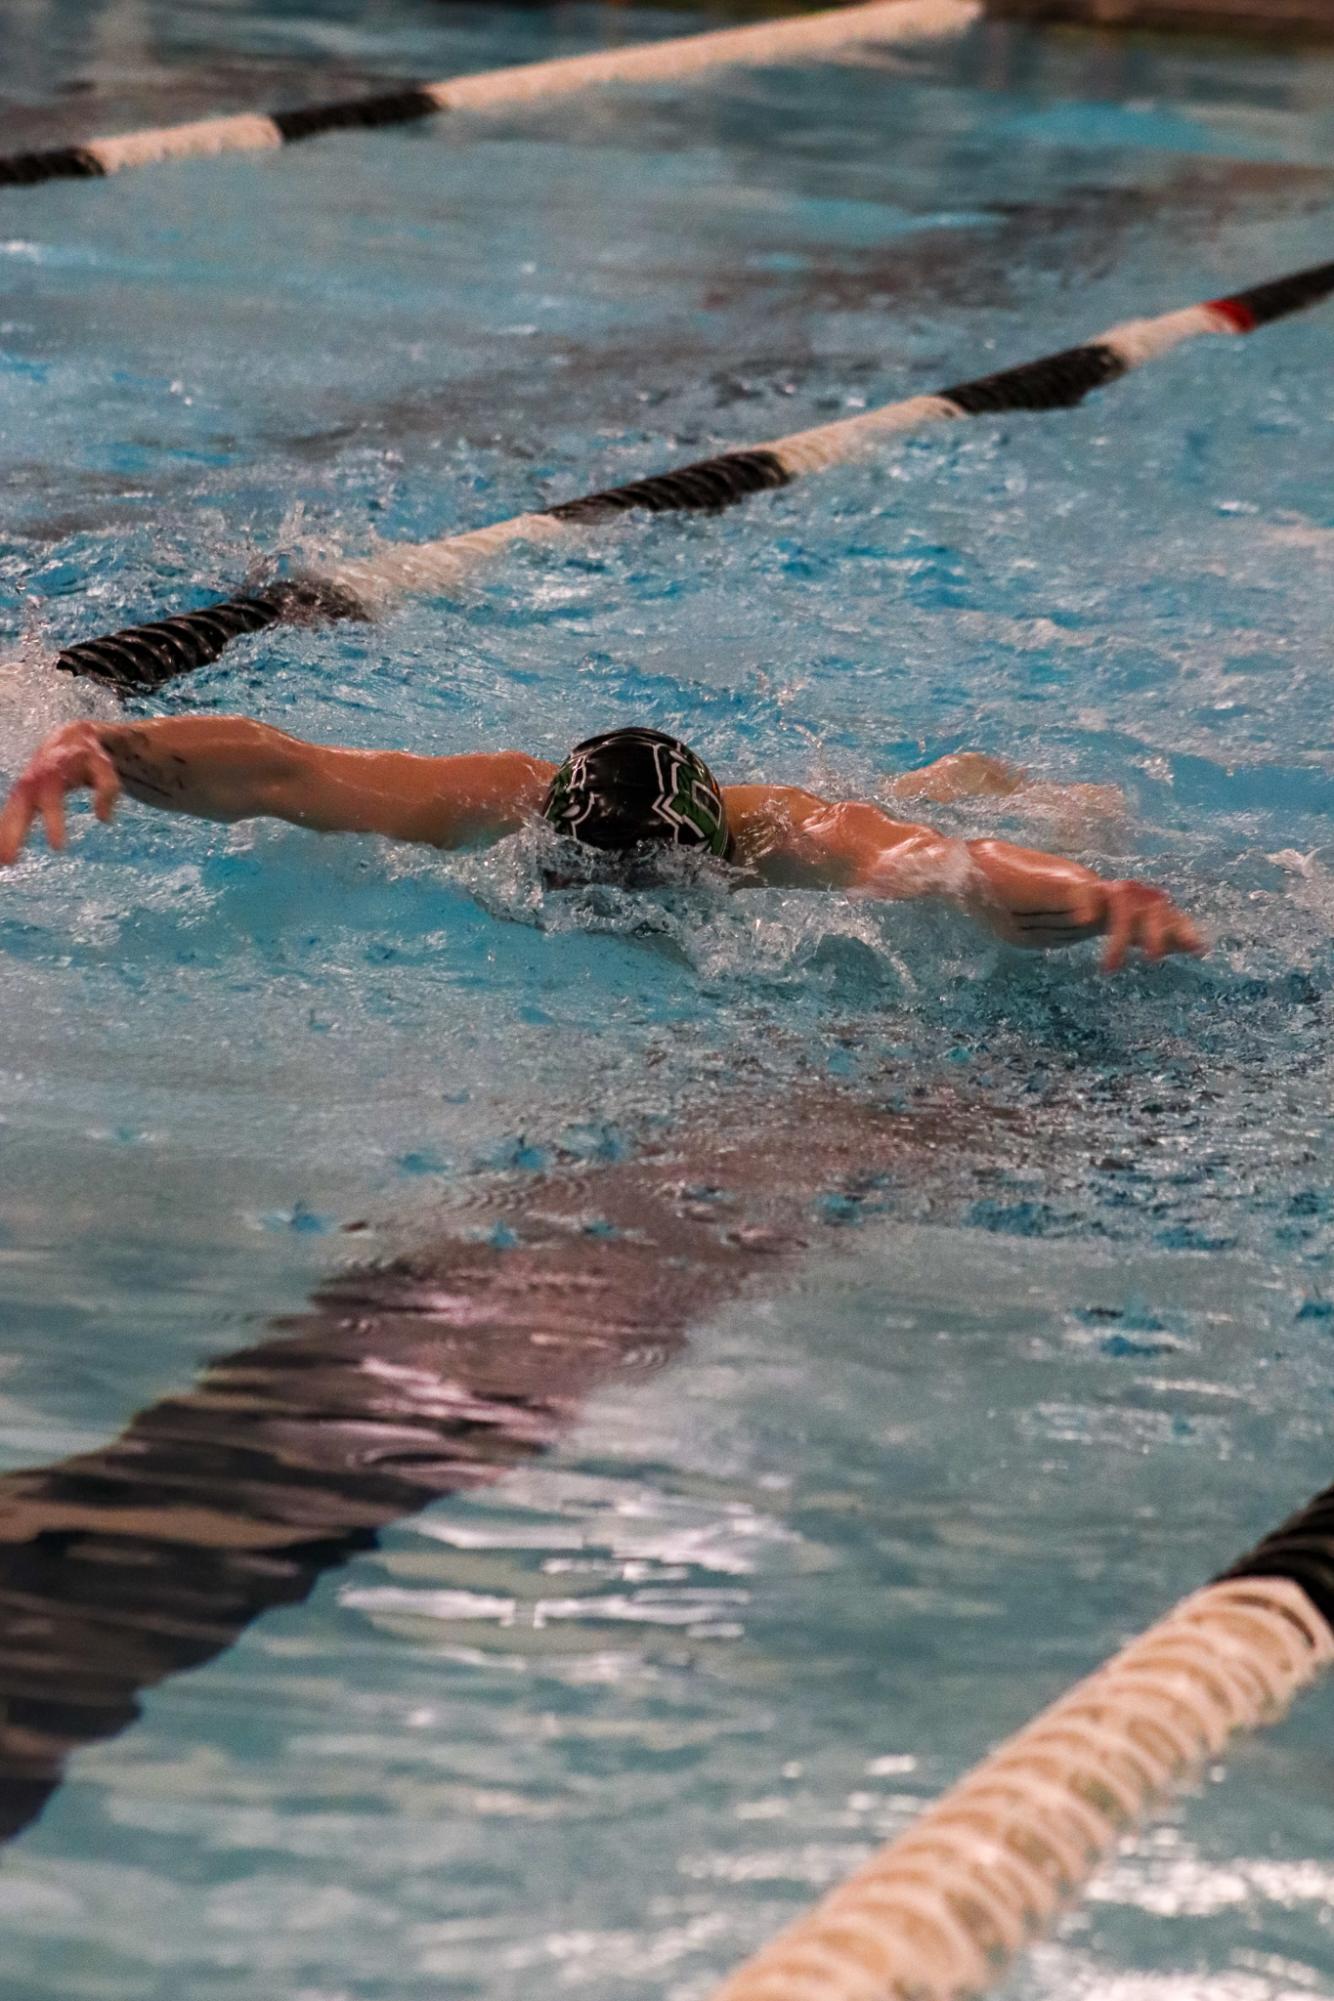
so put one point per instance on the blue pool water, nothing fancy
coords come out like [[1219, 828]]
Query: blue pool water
[[1033, 1328]]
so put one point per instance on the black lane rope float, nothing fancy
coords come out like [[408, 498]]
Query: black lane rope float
[[496, 90], [141, 658], [940, 1912]]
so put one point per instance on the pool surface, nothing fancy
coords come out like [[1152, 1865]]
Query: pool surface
[[615, 1400]]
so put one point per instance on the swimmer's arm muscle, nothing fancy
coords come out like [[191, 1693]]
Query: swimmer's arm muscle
[[230, 768], [1029, 898]]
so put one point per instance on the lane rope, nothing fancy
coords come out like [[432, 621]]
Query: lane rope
[[940, 1912], [141, 658], [497, 90]]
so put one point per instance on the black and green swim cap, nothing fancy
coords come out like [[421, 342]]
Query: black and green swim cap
[[632, 785]]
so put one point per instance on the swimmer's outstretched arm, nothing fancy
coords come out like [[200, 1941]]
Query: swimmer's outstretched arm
[[229, 768], [1027, 897]]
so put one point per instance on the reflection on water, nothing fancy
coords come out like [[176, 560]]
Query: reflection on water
[[425, 1376]]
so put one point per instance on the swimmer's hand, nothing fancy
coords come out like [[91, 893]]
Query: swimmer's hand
[[1132, 917], [1043, 902], [71, 760]]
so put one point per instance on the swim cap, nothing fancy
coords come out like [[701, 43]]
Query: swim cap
[[633, 785]]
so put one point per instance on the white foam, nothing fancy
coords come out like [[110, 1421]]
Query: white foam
[[35, 698]]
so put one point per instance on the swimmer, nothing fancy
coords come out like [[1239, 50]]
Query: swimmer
[[619, 799]]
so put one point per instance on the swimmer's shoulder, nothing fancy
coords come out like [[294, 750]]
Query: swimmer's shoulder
[[765, 823]]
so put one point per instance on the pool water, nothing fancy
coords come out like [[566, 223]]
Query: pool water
[[617, 1400]]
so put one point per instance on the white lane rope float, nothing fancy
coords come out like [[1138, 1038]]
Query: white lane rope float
[[140, 658], [939, 1913], [793, 40]]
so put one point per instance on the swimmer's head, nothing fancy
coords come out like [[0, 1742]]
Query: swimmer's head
[[630, 788]]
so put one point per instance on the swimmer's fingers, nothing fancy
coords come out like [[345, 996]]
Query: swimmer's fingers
[[1119, 919], [105, 781], [72, 758], [51, 800], [20, 810], [1172, 931], [33, 796], [1137, 916]]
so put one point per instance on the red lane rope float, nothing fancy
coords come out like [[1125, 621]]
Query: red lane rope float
[[140, 658], [798, 39], [939, 1913]]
